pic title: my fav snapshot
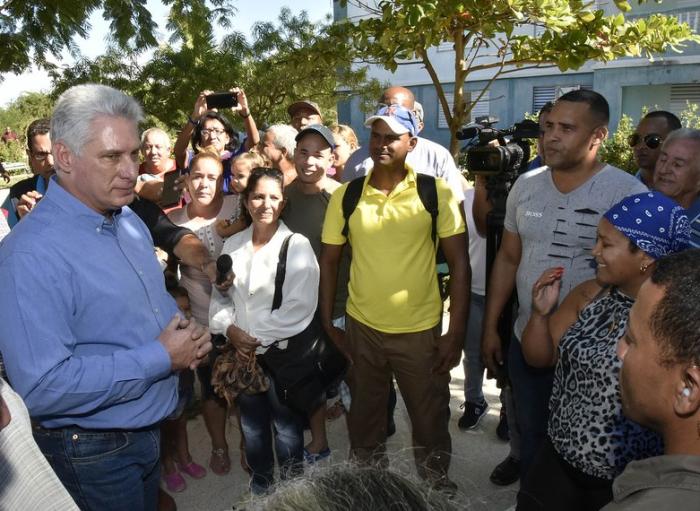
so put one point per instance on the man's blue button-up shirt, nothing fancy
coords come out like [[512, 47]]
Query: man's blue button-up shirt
[[82, 304]]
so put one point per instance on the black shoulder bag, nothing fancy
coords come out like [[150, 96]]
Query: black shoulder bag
[[310, 364]]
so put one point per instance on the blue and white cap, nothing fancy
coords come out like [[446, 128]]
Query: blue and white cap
[[401, 120]]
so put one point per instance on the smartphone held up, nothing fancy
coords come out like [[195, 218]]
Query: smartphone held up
[[221, 100]]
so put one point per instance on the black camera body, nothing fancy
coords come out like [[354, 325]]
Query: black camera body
[[509, 158]]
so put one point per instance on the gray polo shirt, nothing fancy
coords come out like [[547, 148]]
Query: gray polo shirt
[[559, 229]]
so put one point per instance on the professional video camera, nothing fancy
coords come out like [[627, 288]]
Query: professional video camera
[[509, 158]]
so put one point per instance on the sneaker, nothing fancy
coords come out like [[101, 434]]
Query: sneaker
[[314, 457], [506, 472], [473, 413], [502, 431]]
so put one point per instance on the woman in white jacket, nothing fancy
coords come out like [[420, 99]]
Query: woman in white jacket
[[246, 317]]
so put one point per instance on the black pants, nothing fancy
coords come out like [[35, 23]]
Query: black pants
[[552, 484]]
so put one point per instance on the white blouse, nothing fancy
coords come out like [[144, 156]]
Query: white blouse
[[248, 302]]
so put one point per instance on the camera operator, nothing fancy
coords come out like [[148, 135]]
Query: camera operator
[[551, 218]]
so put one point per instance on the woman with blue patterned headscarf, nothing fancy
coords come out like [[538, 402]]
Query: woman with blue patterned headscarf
[[589, 441]]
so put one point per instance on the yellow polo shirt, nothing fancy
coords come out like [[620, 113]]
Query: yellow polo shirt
[[393, 285]]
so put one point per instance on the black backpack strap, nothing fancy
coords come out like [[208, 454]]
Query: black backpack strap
[[352, 196], [281, 273], [427, 192]]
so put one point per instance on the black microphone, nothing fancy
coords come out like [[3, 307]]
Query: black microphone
[[223, 266]]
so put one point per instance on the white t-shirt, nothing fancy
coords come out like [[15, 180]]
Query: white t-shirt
[[477, 247]]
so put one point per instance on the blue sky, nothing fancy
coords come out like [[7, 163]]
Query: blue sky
[[249, 11]]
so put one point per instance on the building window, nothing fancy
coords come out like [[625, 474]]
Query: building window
[[481, 108], [542, 95], [682, 94], [691, 18]]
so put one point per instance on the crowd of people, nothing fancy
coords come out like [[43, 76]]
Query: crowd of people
[[135, 268]]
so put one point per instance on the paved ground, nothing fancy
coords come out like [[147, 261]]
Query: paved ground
[[475, 453]]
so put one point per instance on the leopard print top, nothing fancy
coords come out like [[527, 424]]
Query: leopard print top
[[586, 424]]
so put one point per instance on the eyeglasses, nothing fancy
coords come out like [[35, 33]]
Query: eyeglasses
[[212, 131], [652, 141], [40, 156]]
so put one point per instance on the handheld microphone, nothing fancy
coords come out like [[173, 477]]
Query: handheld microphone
[[223, 266]]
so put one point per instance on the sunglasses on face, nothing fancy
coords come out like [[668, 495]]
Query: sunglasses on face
[[652, 141]]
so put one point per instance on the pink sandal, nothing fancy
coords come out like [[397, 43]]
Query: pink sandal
[[174, 482], [192, 469]]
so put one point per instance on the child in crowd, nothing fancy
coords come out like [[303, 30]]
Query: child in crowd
[[175, 453], [241, 167]]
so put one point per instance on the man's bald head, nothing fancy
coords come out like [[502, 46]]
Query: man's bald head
[[399, 96]]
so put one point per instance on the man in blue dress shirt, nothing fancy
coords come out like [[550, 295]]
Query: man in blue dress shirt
[[91, 339]]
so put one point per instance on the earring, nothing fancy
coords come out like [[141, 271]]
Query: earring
[[643, 268], [686, 392]]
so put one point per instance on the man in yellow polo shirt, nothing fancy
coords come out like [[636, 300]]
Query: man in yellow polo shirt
[[394, 307]]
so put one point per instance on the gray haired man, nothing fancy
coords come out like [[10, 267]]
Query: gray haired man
[[91, 339]]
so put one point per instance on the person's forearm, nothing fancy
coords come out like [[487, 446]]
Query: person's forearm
[[481, 205], [183, 140], [252, 133], [501, 285], [460, 284], [537, 345], [192, 252], [327, 288]]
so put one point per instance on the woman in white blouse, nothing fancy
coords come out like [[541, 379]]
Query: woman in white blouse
[[245, 316]]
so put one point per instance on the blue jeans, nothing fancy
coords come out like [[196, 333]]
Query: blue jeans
[[473, 365], [532, 388], [105, 470], [258, 413]]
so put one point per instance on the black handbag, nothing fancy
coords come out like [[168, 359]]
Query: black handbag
[[310, 364]]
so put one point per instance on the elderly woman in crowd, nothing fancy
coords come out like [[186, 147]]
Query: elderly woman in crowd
[[250, 324], [208, 205], [589, 439]]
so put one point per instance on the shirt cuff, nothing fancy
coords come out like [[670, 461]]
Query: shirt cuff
[[155, 361]]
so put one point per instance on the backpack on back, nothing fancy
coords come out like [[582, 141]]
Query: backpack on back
[[427, 192]]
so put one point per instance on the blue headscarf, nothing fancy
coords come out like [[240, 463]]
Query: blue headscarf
[[653, 222]]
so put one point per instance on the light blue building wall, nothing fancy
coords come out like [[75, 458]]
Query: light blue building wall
[[629, 85]]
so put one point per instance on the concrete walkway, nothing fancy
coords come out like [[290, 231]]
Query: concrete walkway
[[475, 454]]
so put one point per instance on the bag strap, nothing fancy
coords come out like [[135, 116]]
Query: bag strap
[[352, 196], [281, 273], [427, 192]]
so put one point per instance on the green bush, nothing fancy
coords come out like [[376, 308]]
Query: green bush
[[13, 151]]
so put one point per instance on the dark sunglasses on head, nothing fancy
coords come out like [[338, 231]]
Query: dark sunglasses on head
[[652, 141]]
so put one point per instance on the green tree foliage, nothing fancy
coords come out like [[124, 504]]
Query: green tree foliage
[[18, 115], [496, 37], [30, 30], [283, 62]]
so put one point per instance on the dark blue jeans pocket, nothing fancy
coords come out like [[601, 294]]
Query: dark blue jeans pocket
[[86, 447]]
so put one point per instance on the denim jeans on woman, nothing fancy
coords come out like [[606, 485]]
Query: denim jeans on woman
[[105, 470], [258, 413]]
